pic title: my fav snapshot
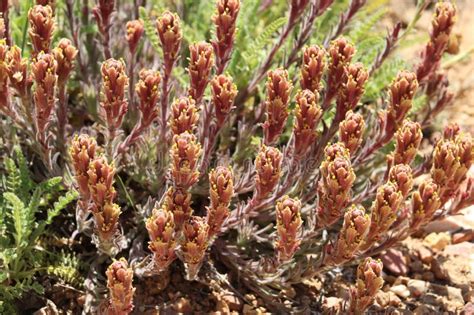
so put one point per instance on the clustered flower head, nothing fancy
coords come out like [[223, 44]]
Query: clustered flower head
[[121, 290], [18, 71], [408, 139], [351, 89], [369, 282], [452, 158], [268, 168], [225, 20], [383, 212], [184, 115], [276, 104], [442, 25], [42, 26], [83, 150], [312, 68], [340, 55], [401, 174], [147, 89], [352, 234], [221, 190], [178, 202], [194, 244], [351, 131], [402, 92], [114, 105], [65, 54], [134, 33], [424, 203], [185, 153], [4, 91], [102, 192], [45, 78], [307, 116], [201, 61], [223, 92], [161, 230], [169, 30], [289, 222], [335, 185]]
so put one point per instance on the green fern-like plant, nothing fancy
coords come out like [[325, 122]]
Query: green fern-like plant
[[21, 203]]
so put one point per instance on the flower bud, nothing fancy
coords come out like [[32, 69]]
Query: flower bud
[[41, 28], [276, 104], [268, 168], [168, 26], [312, 68], [194, 244], [18, 71], [425, 201], [82, 150], [51, 3], [340, 55], [184, 115], [408, 139], [224, 92], [65, 54], [121, 290], [45, 78], [335, 185], [185, 153], [101, 180], [201, 61], [369, 282], [162, 243], [225, 20], [288, 217], [351, 131], [402, 92], [401, 174], [307, 116], [134, 34], [178, 202], [351, 89], [148, 91], [354, 229], [114, 106]]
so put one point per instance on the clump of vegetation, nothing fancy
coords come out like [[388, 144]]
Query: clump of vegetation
[[275, 144]]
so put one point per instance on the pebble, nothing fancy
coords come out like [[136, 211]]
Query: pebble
[[428, 276], [388, 298], [425, 254], [437, 241], [395, 262], [417, 287], [182, 305], [401, 290]]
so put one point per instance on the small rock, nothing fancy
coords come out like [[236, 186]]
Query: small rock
[[234, 303], [417, 287], [222, 307], [464, 236], [468, 309], [385, 299], [401, 290], [438, 268], [182, 305], [425, 254], [432, 299], [395, 262], [455, 295], [425, 310], [416, 266], [437, 241]]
